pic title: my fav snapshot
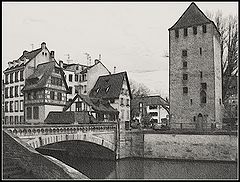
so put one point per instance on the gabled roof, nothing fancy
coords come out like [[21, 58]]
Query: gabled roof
[[89, 67], [32, 54], [96, 103], [192, 16], [109, 86], [69, 117], [28, 55], [40, 76]]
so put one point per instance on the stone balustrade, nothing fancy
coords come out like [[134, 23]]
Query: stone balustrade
[[34, 130]]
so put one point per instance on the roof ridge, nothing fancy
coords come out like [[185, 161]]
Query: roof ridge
[[192, 5]]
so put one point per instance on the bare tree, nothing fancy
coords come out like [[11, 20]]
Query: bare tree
[[227, 27], [138, 89]]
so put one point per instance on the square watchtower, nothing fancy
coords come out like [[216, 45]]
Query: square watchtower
[[195, 79]]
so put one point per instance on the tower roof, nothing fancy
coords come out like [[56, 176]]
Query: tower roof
[[192, 16]]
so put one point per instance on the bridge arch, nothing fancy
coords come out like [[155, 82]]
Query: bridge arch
[[88, 137]]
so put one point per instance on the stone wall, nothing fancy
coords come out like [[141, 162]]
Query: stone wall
[[42, 167], [179, 146], [196, 147]]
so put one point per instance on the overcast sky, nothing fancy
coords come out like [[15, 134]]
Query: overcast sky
[[131, 36]]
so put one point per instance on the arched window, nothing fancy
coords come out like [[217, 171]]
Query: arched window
[[203, 96]]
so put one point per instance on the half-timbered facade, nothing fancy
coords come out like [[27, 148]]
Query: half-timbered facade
[[45, 91]]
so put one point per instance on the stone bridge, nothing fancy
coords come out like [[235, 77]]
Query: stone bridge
[[102, 134]]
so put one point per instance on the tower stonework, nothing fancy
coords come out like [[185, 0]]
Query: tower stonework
[[195, 82]]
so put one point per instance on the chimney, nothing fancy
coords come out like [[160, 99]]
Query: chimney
[[96, 61], [52, 54], [25, 52], [43, 45], [114, 69], [61, 64], [10, 64]]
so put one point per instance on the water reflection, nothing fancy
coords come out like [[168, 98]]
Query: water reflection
[[132, 168]]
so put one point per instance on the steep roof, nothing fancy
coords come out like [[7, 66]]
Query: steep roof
[[96, 103], [69, 117], [40, 76], [56, 117], [32, 54], [28, 55], [192, 16], [109, 86]]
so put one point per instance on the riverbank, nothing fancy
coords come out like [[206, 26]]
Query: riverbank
[[179, 146]]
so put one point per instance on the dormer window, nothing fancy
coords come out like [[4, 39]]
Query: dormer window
[[107, 88]]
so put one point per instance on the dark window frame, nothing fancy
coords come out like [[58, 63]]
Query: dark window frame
[[59, 96], [184, 53], [29, 113], [204, 27], [195, 30], [16, 91], [184, 64], [21, 76], [185, 90], [185, 32], [35, 112], [70, 77], [52, 95], [185, 76], [204, 86], [177, 33]]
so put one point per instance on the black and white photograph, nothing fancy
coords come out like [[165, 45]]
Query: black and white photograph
[[120, 90]]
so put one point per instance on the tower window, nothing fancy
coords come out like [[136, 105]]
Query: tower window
[[203, 97], [195, 30], [185, 90], [204, 85], [185, 64], [191, 101], [185, 76], [204, 27], [185, 31], [200, 74], [184, 53], [176, 33], [220, 101], [200, 49]]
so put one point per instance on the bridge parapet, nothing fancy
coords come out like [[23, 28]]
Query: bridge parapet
[[35, 130]]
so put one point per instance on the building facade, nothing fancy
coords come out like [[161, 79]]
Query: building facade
[[195, 71], [45, 90], [81, 78], [115, 89], [155, 106], [14, 81]]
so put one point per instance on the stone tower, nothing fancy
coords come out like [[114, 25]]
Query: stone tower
[[195, 84]]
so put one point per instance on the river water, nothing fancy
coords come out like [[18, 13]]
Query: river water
[[138, 168]]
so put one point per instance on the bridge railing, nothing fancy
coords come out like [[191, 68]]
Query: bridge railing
[[46, 129]]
